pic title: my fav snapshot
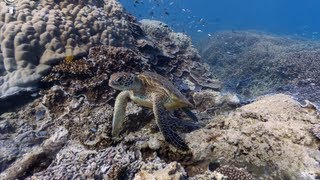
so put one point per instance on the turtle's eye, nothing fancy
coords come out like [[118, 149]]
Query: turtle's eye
[[119, 79]]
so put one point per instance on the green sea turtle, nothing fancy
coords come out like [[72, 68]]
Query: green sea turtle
[[156, 92]]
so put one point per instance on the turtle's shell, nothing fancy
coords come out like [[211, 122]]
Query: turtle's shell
[[157, 83]]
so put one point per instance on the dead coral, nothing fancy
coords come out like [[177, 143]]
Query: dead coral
[[111, 162], [34, 158], [173, 171]]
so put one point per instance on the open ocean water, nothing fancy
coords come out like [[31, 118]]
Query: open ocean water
[[200, 18]]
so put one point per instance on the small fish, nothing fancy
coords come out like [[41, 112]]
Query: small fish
[[199, 30], [151, 13], [166, 13], [171, 3], [34, 95], [209, 35], [184, 10], [11, 10], [69, 58]]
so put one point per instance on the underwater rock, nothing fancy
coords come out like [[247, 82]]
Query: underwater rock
[[253, 64], [172, 171], [215, 102], [270, 137], [41, 33], [316, 130]]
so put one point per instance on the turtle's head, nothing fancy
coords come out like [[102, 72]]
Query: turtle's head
[[124, 81]]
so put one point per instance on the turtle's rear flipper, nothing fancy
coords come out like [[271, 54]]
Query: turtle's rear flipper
[[190, 114], [185, 126], [166, 124]]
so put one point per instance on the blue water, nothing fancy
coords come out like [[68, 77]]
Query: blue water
[[202, 17]]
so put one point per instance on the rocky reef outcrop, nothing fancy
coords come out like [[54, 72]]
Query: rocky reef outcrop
[[271, 137], [253, 64]]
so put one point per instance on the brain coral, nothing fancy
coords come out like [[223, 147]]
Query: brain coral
[[38, 34]]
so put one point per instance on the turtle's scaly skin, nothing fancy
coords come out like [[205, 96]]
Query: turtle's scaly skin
[[153, 91]]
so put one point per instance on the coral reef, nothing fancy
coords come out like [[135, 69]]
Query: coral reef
[[78, 98], [253, 64], [64, 132], [41, 33], [270, 141], [189, 71]]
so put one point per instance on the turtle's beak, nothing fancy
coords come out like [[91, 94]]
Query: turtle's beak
[[113, 83]]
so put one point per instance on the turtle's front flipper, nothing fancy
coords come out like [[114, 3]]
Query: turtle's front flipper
[[190, 114], [119, 112], [185, 126], [166, 123]]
